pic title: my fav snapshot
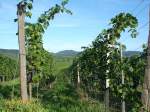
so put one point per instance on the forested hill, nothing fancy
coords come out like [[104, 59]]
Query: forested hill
[[12, 53], [131, 53], [65, 53]]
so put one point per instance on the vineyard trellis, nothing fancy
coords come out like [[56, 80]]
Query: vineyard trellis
[[119, 24], [33, 43], [93, 64], [96, 65]]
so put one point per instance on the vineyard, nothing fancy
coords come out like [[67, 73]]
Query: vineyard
[[103, 77]]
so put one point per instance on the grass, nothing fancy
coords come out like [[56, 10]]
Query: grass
[[9, 88], [62, 63], [62, 97], [10, 83], [19, 106]]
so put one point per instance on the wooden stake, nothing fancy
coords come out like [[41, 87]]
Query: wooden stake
[[22, 54], [30, 90], [107, 84], [146, 85], [122, 74], [37, 90], [78, 73]]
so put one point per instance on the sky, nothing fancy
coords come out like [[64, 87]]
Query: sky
[[71, 32]]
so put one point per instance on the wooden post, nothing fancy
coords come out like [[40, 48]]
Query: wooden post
[[37, 90], [107, 82], [3, 78], [30, 91], [22, 54], [13, 89], [107, 94], [122, 76], [146, 85], [78, 73]]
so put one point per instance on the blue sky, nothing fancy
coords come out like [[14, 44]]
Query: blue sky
[[73, 31]]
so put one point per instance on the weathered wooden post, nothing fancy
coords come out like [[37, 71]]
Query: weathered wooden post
[[123, 79], [22, 53], [107, 82], [78, 73], [146, 85]]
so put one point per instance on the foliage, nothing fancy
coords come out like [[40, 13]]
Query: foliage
[[102, 61], [34, 44], [9, 89], [48, 70], [34, 33], [18, 106], [98, 62], [134, 71], [63, 97], [8, 68], [36, 106]]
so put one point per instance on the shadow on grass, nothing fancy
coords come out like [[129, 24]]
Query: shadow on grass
[[65, 97], [6, 91]]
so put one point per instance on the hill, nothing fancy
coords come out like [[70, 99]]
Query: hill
[[61, 54], [131, 53], [11, 53], [72, 53], [66, 53], [14, 53], [62, 59]]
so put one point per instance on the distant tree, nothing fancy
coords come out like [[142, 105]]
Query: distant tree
[[8, 68]]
